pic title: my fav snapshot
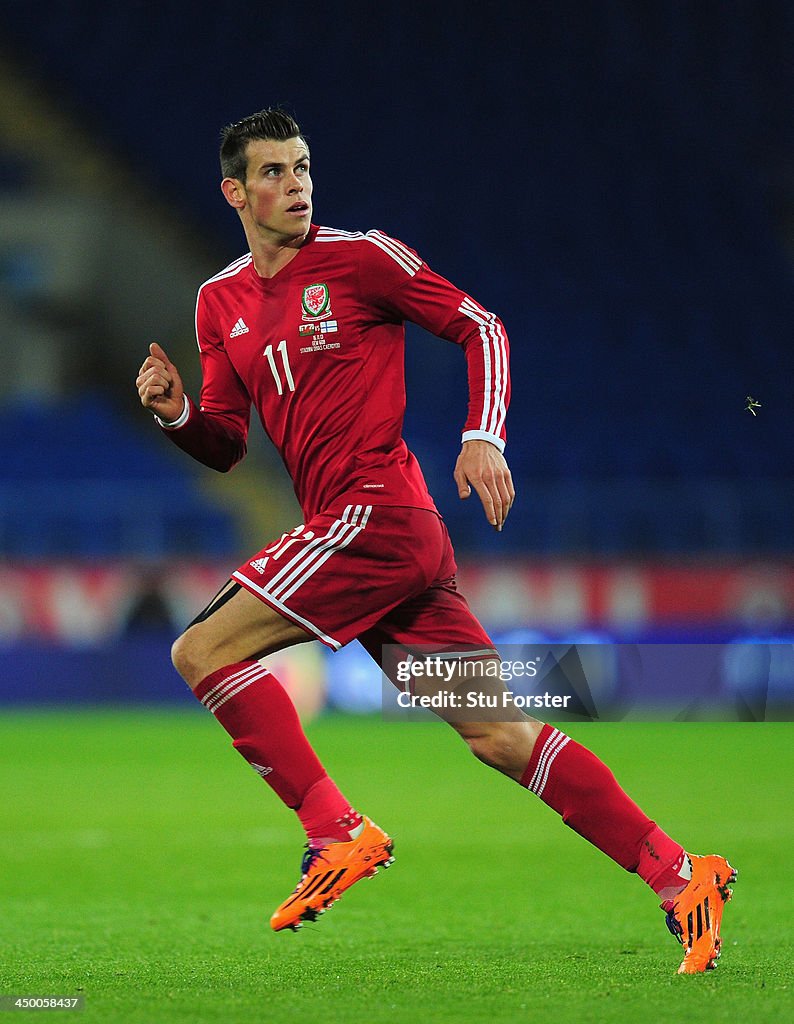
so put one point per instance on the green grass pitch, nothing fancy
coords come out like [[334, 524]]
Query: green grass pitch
[[140, 860]]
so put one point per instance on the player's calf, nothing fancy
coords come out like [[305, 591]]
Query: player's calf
[[505, 746], [495, 731]]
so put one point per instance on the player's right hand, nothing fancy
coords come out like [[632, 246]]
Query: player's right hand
[[160, 386]]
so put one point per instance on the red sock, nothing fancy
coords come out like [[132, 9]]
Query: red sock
[[581, 788], [256, 711]]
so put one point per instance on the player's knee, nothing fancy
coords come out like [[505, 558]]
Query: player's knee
[[187, 660]]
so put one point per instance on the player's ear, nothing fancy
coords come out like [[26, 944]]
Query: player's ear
[[233, 192]]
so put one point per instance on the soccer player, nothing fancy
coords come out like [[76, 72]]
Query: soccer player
[[309, 328]]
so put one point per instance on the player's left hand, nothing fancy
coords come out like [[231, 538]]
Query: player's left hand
[[482, 466]]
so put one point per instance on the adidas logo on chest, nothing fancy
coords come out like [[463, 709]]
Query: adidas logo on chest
[[239, 328]]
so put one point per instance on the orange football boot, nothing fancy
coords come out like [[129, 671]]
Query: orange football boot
[[328, 871], [695, 915]]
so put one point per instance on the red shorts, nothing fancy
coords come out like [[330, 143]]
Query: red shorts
[[381, 574]]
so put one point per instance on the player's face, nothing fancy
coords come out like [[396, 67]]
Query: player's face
[[278, 187]]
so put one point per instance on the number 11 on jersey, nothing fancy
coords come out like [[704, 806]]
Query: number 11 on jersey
[[282, 350]]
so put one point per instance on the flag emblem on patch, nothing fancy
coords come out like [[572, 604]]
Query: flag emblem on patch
[[316, 302]]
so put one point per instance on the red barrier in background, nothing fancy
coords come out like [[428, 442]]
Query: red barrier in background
[[87, 604], [625, 595]]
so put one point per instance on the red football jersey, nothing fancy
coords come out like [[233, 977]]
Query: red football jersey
[[318, 349]]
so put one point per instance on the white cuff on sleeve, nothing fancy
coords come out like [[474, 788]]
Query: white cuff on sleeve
[[181, 419], [483, 435]]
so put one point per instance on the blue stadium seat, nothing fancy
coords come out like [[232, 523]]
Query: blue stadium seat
[[77, 480], [641, 277]]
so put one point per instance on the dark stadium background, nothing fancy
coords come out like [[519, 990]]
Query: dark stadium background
[[615, 180]]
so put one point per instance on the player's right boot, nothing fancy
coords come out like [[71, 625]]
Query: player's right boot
[[329, 871], [695, 915]]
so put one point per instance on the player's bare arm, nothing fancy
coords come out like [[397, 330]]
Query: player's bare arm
[[160, 385], [482, 466]]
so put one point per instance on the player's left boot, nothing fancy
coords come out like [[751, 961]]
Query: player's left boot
[[329, 871], [695, 915]]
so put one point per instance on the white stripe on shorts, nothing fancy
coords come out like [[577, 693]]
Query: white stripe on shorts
[[305, 563]]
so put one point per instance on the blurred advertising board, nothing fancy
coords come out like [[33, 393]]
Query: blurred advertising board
[[102, 633]]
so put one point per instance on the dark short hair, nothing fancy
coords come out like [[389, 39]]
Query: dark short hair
[[271, 123]]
